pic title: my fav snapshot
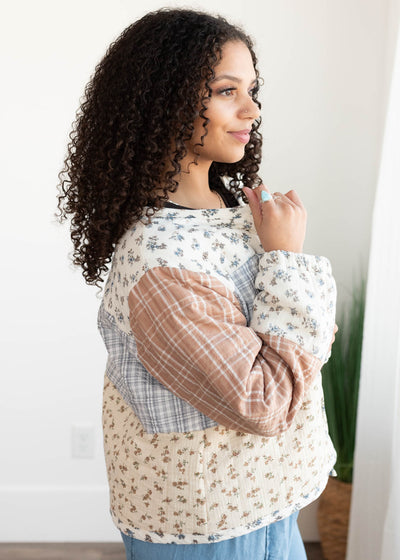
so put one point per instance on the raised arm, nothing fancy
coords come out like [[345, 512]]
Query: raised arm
[[192, 336]]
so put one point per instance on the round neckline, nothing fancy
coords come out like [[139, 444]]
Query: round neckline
[[217, 213], [224, 195]]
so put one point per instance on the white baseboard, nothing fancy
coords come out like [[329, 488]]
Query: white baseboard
[[79, 514]]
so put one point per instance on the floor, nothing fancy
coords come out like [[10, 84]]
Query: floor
[[89, 551]]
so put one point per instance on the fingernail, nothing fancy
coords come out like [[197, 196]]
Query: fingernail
[[265, 196]]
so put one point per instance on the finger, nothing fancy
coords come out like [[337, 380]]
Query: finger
[[282, 198], [294, 197], [335, 330], [257, 200], [258, 193], [254, 203], [250, 194], [264, 194]]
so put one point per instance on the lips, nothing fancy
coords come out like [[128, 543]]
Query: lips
[[241, 135]]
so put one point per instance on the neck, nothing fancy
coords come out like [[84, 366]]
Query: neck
[[193, 187]]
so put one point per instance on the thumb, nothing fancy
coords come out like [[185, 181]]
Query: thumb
[[254, 203]]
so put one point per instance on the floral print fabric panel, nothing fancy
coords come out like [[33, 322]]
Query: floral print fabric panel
[[214, 484]]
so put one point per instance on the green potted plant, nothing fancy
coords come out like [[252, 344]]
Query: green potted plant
[[340, 379]]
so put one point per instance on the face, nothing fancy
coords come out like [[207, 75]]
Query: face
[[230, 108]]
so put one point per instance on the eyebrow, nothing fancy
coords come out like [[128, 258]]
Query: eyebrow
[[230, 77]]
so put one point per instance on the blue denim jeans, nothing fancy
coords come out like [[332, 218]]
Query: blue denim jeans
[[279, 541]]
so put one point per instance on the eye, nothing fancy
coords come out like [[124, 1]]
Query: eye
[[226, 92]]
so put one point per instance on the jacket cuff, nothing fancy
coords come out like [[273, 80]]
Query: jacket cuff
[[296, 299]]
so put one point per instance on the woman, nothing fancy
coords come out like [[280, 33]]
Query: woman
[[216, 324]]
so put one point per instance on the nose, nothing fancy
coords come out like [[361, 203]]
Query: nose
[[249, 109]]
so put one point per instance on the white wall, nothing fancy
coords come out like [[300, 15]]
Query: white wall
[[324, 98]]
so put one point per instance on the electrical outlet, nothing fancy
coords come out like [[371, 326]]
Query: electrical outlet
[[82, 441]]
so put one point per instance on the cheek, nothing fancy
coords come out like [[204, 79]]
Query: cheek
[[216, 128], [218, 116]]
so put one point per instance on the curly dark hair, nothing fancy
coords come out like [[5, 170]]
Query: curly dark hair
[[143, 95]]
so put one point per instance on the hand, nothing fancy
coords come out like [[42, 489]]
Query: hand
[[280, 222], [335, 330]]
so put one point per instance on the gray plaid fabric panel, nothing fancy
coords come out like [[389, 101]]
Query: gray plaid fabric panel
[[159, 410], [244, 280]]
